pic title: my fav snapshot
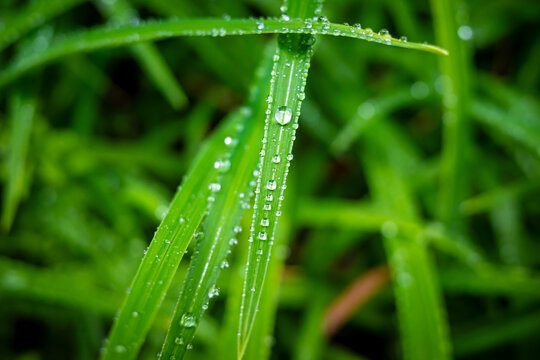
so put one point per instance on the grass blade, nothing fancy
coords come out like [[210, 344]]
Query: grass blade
[[456, 100], [420, 310], [22, 115], [109, 37], [222, 221], [167, 249], [291, 64]]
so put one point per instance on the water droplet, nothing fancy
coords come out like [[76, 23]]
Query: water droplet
[[120, 349], [403, 38], [187, 320], [228, 140], [237, 229], [179, 340], [267, 207], [265, 222], [276, 159], [135, 314], [269, 197], [465, 32], [213, 292], [384, 32], [262, 235], [214, 187], [389, 229], [290, 157], [271, 185], [283, 115], [260, 252]]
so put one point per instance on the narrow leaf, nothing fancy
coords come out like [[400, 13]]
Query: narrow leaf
[[166, 250], [291, 64], [231, 193], [109, 37]]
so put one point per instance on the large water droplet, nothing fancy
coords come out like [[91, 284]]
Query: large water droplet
[[271, 185], [188, 320], [283, 115]]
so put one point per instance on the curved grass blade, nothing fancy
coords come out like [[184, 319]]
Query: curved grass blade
[[22, 114], [33, 15], [221, 225], [109, 37], [289, 75], [167, 248], [147, 54]]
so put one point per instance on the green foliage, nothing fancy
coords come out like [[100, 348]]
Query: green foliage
[[403, 229]]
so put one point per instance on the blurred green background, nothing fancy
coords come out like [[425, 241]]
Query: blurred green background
[[93, 146]]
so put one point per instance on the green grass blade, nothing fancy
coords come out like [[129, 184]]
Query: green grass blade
[[421, 315], [33, 15], [260, 343], [291, 64], [494, 334], [515, 127], [456, 101], [491, 280], [166, 250], [221, 223], [147, 54], [21, 118], [109, 37], [71, 289]]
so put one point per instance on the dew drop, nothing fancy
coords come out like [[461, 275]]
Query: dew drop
[[214, 187], [187, 320], [389, 229], [120, 349], [262, 235], [465, 32], [283, 115], [265, 222], [271, 185], [179, 340], [276, 159]]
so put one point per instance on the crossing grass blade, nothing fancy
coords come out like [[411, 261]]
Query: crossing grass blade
[[423, 328], [456, 152], [22, 109], [34, 14], [289, 75], [185, 214], [109, 37], [148, 56], [232, 195]]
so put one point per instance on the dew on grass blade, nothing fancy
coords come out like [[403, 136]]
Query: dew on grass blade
[[283, 115]]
